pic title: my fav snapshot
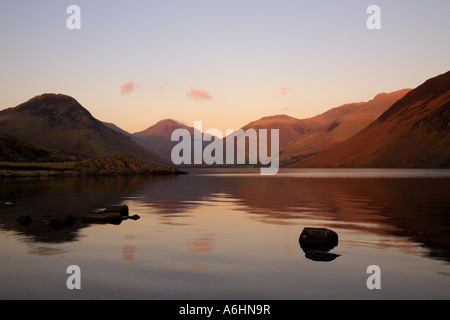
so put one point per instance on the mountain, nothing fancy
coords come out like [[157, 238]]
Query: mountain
[[22, 159], [336, 125], [58, 122], [157, 138], [164, 128], [298, 138], [289, 128], [413, 132], [302, 138]]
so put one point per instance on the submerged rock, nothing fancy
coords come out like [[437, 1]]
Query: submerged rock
[[122, 210], [113, 218], [24, 220], [62, 221]]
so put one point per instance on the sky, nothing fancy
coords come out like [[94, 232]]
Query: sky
[[223, 62]]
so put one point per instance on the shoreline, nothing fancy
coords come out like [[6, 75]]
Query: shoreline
[[40, 173], [97, 167]]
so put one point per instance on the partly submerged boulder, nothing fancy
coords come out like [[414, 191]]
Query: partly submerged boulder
[[314, 238], [122, 210], [62, 221], [316, 242], [113, 217]]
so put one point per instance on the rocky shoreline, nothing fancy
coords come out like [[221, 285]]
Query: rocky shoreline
[[108, 166]]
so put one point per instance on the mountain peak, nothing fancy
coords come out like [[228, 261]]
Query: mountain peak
[[385, 95], [273, 122], [163, 128], [53, 107], [47, 98], [53, 96], [278, 117]]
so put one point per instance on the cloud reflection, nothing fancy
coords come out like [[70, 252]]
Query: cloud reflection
[[201, 244]]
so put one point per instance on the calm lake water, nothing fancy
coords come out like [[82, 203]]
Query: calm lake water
[[230, 234]]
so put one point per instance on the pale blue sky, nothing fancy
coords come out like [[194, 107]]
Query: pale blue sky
[[241, 53]]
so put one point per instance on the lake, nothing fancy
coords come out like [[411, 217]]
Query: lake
[[230, 234]]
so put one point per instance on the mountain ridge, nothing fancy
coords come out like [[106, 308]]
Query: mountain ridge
[[57, 122], [413, 133], [302, 138]]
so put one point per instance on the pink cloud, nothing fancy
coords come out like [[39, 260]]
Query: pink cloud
[[198, 94], [127, 87], [284, 91]]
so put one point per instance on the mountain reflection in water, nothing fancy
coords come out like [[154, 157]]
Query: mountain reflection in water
[[415, 208], [230, 225]]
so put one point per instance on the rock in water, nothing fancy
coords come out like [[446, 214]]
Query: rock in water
[[316, 242], [113, 217], [24, 220], [122, 210], [64, 221], [318, 237]]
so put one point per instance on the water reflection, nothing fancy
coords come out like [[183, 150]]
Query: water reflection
[[201, 244], [321, 256], [128, 250], [37, 248], [44, 199], [415, 209]]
